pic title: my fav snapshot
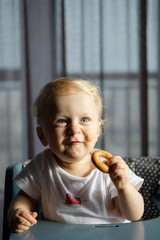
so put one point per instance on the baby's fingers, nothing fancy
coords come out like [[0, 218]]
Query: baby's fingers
[[117, 163], [33, 214], [119, 172], [23, 226], [19, 224], [22, 220], [116, 160], [29, 217]]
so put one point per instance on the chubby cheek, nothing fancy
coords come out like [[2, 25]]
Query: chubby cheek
[[91, 136], [55, 140]]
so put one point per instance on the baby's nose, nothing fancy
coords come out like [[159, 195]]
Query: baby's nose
[[73, 128]]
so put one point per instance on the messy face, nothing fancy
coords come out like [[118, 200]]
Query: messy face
[[75, 127]]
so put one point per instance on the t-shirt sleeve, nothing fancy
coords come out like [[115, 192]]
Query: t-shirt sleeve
[[134, 180], [29, 179]]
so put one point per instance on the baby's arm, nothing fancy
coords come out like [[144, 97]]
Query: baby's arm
[[21, 215], [129, 202]]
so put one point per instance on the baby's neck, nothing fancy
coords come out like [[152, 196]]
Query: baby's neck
[[81, 168]]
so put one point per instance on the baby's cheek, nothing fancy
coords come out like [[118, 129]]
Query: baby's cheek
[[62, 148], [91, 137], [88, 138]]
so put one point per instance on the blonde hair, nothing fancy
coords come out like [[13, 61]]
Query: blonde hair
[[63, 86]]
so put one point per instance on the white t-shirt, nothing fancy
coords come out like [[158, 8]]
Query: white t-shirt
[[71, 199]]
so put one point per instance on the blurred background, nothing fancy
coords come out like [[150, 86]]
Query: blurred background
[[114, 43]]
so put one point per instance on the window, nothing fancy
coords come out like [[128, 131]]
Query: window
[[11, 144], [103, 44]]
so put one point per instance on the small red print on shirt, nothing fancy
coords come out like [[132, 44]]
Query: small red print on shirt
[[72, 200]]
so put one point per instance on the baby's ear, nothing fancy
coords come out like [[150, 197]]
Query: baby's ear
[[41, 136]]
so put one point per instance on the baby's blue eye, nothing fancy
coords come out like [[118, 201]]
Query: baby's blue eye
[[84, 119], [61, 121]]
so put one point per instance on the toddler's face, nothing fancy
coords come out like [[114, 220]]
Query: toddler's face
[[75, 127]]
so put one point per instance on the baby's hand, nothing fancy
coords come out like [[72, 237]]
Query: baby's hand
[[22, 220], [119, 172]]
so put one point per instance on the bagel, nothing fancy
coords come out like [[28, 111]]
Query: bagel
[[101, 165]]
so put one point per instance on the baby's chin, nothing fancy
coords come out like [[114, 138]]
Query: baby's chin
[[72, 150]]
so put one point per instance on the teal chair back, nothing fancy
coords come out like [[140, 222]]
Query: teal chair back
[[11, 190]]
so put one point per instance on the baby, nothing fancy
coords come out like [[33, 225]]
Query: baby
[[63, 177]]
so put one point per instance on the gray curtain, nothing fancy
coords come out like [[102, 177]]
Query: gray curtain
[[114, 43]]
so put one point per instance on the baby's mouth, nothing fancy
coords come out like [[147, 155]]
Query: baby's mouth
[[71, 147], [74, 142]]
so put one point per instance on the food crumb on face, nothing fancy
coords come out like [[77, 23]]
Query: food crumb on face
[[88, 138], [68, 150]]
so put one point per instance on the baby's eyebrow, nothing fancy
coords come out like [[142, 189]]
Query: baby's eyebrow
[[59, 115], [87, 114]]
